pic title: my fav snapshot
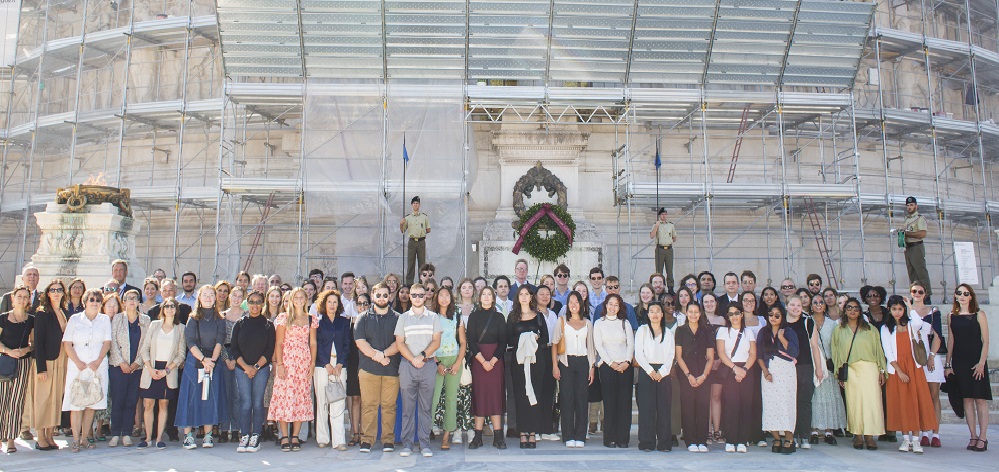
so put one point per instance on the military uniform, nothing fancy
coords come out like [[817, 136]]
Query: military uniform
[[915, 251], [665, 237], [416, 226]]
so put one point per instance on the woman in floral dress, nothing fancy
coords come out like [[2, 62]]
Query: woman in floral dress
[[294, 356]]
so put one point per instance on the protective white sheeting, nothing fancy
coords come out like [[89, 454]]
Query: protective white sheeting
[[10, 14]]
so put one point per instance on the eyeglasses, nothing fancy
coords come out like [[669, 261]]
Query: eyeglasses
[[110, 289], [613, 287], [381, 295], [56, 290], [417, 295], [131, 299], [787, 287], [255, 303], [917, 291], [962, 293], [364, 304], [562, 276], [851, 308]]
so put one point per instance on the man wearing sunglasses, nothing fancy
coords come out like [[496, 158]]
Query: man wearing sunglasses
[[914, 228], [597, 292], [378, 375], [561, 293], [417, 336]]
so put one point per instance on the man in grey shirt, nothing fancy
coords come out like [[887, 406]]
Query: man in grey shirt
[[417, 335], [378, 373]]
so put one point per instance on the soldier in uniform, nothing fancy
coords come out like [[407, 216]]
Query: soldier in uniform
[[417, 227], [664, 234], [915, 253]]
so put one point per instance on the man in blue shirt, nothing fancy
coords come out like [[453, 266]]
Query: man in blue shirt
[[597, 293], [189, 282], [614, 287]]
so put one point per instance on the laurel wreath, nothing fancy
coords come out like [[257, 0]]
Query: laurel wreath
[[552, 248]]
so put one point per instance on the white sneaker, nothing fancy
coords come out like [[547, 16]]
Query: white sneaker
[[570, 444], [762, 443], [692, 448], [805, 444], [114, 441], [580, 444], [243, 442], [456, 438], [427, 452], [550, 437], [729, 447], [741, 448], [702, 448], [126, 441], [906, 446], [406, 452], [916, 447]]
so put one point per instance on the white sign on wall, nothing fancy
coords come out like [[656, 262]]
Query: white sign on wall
[[967, 263], [10, 15]]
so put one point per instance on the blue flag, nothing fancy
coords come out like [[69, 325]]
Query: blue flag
[[405, 154], [659, 161]]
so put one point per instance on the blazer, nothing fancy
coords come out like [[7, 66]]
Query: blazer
[[147, 352], [48, 338], [120, 347], [917, 329]]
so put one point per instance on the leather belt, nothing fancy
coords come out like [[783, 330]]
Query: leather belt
[[914, 244], [418, 239]]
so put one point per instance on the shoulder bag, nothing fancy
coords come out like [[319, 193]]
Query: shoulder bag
[[725, 373], [829, 361], [843, 370], [8, 364], [918, 347], [561, 341]]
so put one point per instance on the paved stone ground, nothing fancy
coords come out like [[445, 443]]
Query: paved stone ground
[[549, 456]]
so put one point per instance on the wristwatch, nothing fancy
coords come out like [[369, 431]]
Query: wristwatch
[[423, 354], [255, 366]]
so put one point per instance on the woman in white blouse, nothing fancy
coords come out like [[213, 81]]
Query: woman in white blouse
[[615, 343], [736, 347], [87, 340], [573, 358], [654, 352]]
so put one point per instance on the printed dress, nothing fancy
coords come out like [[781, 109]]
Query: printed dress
[[828, 410], [292, 396]]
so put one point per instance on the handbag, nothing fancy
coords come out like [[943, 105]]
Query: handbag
[[918, 348], [466, 376], [8, 364], [842, 374], [829, 362], [335, 390], [725, 373], [84, 391]]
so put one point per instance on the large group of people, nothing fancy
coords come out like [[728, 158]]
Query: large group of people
[[350, 364]]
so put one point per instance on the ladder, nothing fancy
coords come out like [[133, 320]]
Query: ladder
[[820, 242], [260, 232], [738, 143]]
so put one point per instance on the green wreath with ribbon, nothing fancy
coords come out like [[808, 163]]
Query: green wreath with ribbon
[[545, 217]]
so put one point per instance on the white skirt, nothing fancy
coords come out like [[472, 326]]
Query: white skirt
[[780, 406], [937, 375]]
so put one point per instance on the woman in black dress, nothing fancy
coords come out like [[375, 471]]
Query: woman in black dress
[[486, 334], [524, 319], [967, 351]]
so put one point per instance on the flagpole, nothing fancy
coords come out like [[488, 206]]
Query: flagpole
[[658, 163], [405, 237]]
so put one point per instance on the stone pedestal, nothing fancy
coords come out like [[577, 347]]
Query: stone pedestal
[[83, 244], [522, 148]]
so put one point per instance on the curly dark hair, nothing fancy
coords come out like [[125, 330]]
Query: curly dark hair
[[321, 302]]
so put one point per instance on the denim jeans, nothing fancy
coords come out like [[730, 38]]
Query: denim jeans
[[251, 400]]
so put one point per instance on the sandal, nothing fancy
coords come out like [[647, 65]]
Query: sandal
[[285, 446], [787, 447], [972, 443], [776, 447], [91, 445], [74, 446], [295, 444], [354, 440], [11, 450], [523, 441], [984, 445], [446, 441], [871, 445]]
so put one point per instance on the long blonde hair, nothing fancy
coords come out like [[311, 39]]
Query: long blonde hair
[[293, 311]]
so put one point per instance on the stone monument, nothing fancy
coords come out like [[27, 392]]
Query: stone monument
[[83, 231], [538, 166]]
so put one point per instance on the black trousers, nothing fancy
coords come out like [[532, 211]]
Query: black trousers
[[756, 427], [572, 397], [616, 388], [696, 411], [655, 410], [547, 396], [803, 424], [509, 360], [737, 401]]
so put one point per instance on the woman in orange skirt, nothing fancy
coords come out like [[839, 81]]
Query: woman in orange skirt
[[910, 408]]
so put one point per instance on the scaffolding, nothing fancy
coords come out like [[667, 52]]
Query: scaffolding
[[790, 128]]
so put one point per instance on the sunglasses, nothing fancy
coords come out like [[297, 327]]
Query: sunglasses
[[851, 308], [364, 304], [427, 274], [818, 302], [962, 293], [447, 287], [131, 299], [255, 303], [787, 287], [381, 295], [95, 300], [110, 289], [613, 287], [596, 278], [562, 276], [814, 284], [56, 290], [917, 291], [417, 295], [774, 315]]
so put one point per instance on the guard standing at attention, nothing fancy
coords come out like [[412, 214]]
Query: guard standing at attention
[[915, 253], [417, 227], [664, 234]]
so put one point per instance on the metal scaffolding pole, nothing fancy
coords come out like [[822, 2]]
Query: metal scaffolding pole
[[885, 161], [180, 142], [34, 146], [936, 153], [986, 188]]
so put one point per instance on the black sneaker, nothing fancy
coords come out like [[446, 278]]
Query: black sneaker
[[365, 447], [254, 444], [388, 447]]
